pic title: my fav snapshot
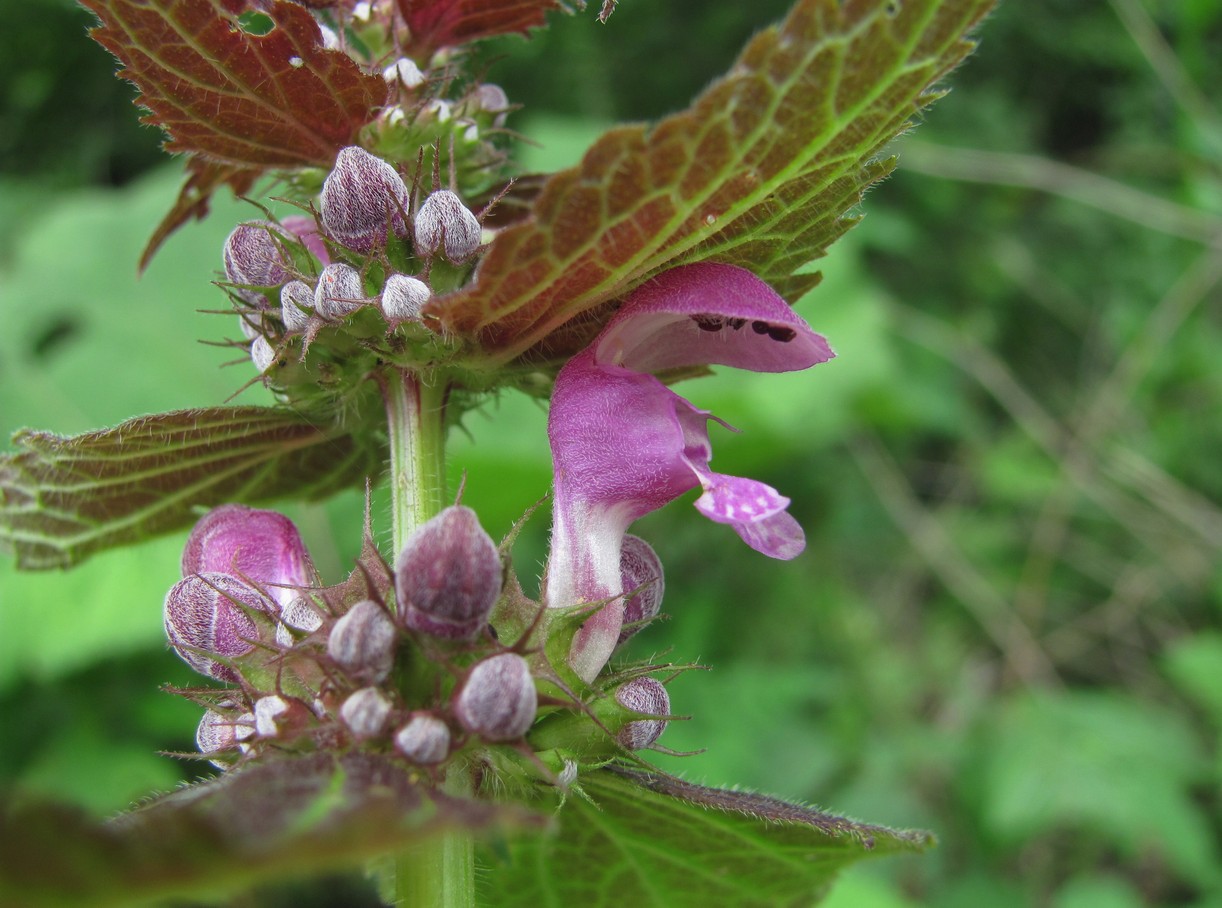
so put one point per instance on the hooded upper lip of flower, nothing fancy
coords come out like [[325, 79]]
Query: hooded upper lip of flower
[[623, 444]]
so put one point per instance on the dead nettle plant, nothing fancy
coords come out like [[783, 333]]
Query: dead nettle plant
[[424, 706]]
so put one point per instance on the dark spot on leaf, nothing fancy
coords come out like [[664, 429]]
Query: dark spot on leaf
[[709, 322], [760, 327], [782, 333]]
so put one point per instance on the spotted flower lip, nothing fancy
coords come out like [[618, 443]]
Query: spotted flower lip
[[623, 444]]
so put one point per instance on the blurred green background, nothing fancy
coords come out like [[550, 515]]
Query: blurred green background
[[1005, 627]]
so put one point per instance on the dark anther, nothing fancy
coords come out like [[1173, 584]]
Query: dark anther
[[782, 334], [760, 327], [736, 323], [708, 322]]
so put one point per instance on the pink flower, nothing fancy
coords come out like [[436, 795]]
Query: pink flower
[[623, 444]]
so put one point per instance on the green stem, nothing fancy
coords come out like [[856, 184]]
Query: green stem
[[415, 417], [440, 871]]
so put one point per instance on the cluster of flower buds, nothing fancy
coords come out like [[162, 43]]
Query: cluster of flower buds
[[405, 662], [295, 277]]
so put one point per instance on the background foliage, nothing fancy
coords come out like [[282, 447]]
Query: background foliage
[[1005, 627]]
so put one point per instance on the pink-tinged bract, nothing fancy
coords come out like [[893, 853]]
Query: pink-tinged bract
[[623, 444]]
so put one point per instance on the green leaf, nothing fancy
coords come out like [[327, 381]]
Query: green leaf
[[657, 842], [1103, 763], [759, 172], [62, 499], [287, 817]]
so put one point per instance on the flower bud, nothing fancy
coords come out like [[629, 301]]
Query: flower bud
[[363, 200], [448, 576], [444, 222], [403, 298], [365, 712], [340, 292], [642, 695], [301, 615], [363, 643], [296, 305], [262, 354], [209, 612], [491, 97], [277, 716], [218, 733], [252, 256], [261, 547], [497, 701], [403, 72], [424, 740], [640, 570], [250, 323]]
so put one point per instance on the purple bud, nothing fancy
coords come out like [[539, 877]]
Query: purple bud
[[340, 292], [296, 305], [443, 222], [208, 612], [642, 695], [448, 576], [403, 297], [641, 570], [262, 547], [424, 740], [497, 701], [252, 256], [365, 712], [363, 200], [363, 643]]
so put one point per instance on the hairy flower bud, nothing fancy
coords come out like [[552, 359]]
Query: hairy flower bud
[[209, 612], [301, 615], [253, 257], [647, 696], [363, 200], [403, 72], [296, 305], [641, 570], [261, 547], [497, 701], [403, 298], [262, 354], [365, 712], [363, 643], [425, 739], [444, 223], [491, 97], [448, 576], [340, 291], [277, 716], [218, 733]]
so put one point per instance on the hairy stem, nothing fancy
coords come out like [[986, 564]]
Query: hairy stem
[[439, 872], [415, 416]]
